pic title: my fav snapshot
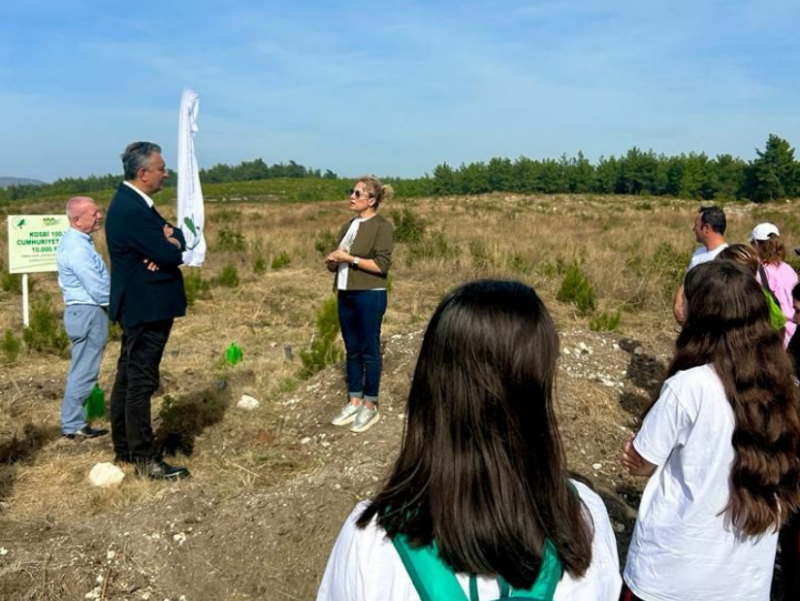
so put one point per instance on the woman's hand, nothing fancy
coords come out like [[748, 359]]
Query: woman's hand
[[635, 464], [339, 256]]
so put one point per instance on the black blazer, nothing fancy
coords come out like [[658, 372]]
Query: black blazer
[[134, 233]]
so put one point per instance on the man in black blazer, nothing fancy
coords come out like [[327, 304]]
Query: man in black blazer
[[146, 296]]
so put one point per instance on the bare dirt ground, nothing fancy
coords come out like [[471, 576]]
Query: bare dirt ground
[[271, 487]]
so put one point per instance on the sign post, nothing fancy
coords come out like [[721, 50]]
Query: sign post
[[32, 245]]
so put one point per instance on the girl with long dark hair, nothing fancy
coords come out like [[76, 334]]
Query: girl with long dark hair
[[480, 487], [720, 445]]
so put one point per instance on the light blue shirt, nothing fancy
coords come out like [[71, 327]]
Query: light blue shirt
[[82, 275]]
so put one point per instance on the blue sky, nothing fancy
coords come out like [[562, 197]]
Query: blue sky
[[392, 88]]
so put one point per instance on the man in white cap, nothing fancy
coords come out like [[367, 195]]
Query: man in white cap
[[709, 230]]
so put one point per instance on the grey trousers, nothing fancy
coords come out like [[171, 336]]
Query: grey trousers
[[87, 328]]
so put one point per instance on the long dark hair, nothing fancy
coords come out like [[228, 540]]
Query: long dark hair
[[482, 469], [727, 325]]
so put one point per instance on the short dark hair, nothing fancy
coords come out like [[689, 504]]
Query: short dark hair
[[482, 469], [714, 217], [137, 156]]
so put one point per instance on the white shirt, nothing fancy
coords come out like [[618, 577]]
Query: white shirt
[[683, 547], [703, 255], [364, 565], [144, 196], [346, 244]]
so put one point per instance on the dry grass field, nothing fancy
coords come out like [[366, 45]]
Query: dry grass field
[[271, 487]]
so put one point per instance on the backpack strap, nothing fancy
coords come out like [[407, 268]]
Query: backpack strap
[[432, 578]]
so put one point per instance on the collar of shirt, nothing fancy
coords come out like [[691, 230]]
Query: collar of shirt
[[144, 196], [79, 234]]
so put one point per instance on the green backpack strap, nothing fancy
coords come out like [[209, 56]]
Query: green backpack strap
[[432, 578], [434, 581]]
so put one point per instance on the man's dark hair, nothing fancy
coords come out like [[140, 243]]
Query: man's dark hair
[[713, 217], [137, 156], [482, 469]]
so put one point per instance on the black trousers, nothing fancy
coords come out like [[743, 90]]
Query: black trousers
[[136, 382], [789, 539]]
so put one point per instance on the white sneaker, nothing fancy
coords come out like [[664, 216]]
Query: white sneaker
[[365, 419], [346, 415]]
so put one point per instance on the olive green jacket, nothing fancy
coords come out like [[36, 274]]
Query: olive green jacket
[[374, 240]]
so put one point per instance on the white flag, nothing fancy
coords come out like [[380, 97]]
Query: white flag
[[191, 215]]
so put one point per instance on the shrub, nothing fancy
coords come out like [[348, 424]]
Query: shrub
[[550, 270], [519, 264], [229, 278], [325, 242], [605, 322], [10, 347], [281, 261], [259, 266], [195, 286], [576, 289], [12, 282], [230, 241], [434, 246], [323, 349], [45, 332], [408, 226]]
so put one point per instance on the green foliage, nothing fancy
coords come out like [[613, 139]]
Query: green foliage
[[434, 245], [605, 322], [519, 264], [408, 226], [10, 347], [551, 269], [229, 278], [45, 332], [12, 282], [576, 289], [259, 266], [195, 286], [323, 349], [280, 261], [324, 242], [230, 241], [774, 174]]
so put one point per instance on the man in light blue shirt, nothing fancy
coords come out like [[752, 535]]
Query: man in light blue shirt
[[85, 285]]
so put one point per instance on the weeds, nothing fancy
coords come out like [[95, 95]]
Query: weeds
[[605, 322], [230, 241], [45, 332], [10, 347], [576, 289], [433, 246], [259, 266], [323, 349], [229, 278], [325, 242], [408, 226], [281, 261], [195, 286]]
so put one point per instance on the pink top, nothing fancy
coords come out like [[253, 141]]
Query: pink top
[[782, 278]]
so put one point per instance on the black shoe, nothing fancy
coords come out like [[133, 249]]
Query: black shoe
[[120, 459], [86, 432], [161, 470]]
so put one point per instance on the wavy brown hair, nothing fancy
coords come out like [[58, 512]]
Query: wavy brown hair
[[772, 250], [482, 470], [727, 325], [744, 255]]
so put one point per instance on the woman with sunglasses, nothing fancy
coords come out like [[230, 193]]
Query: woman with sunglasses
[[361, 262]]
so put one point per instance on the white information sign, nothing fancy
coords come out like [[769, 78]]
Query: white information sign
[[33, 240]]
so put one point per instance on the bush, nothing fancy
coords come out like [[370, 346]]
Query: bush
[[605, 322], [325, 242], [229, 278], [195, 286], [12, 282], [519, 264], [434, 246], [259, 266], [408, 226], [10, 347], [281, 261], [45, 332], [323, 349], [576, 289], [230, 241]]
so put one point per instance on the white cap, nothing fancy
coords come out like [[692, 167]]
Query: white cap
[[763, 231]]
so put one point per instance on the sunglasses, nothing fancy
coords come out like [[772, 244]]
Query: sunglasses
[[358, 193]]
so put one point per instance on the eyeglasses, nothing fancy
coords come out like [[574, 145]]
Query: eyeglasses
[[359, 193]]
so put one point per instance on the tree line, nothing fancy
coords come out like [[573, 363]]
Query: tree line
[[774, 174]]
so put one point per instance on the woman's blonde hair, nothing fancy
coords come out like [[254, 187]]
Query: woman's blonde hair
[[375, 189]]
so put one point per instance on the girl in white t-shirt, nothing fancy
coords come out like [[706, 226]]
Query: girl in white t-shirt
[[720, 445], [481, 472]]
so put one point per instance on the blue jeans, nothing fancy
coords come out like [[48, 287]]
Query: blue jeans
[[360, 316], [87, 328]]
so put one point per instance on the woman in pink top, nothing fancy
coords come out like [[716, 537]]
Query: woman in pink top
[[780, 277]]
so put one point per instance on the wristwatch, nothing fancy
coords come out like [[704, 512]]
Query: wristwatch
[[356, 260]]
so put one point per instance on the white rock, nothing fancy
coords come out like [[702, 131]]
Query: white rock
[[615, 346], [638, 350], [567, 351], [306, 440], [583, 346], [179, 538], [619, 528], [248, 402], [597, 466], [106, 474]]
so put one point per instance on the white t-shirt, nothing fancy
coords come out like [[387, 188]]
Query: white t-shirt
[[364, 565], [683, 547], [701, 255]]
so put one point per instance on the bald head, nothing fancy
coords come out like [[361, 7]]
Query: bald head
[[83, 214]]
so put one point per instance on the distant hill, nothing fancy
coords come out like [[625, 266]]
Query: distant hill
[[5, 182]]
